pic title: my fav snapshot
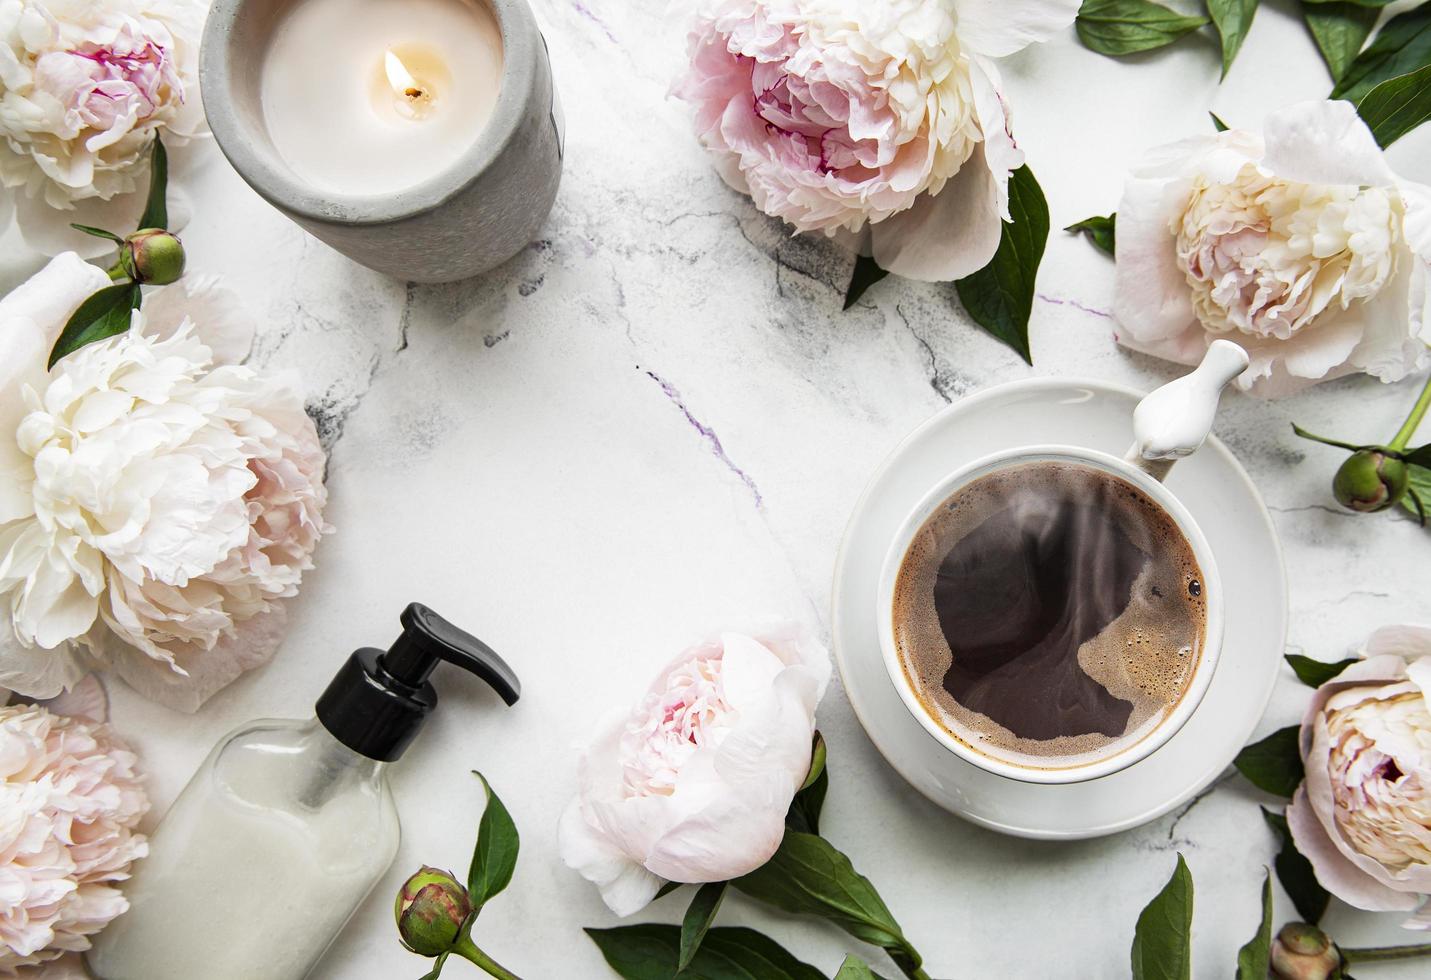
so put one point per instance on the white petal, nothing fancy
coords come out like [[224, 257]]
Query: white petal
[[47, 230], [86, 699], [625, 885], [1001, 152], [1151, 301], [1324, 142], [747, 670], [219, 317], [1402, 641], [946, 237], [37, 673], [996, 28], [205, 671]]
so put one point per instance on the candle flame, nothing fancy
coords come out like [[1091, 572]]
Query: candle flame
[[401, 79]]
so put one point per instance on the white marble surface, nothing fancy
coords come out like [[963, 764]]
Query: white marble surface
[[657, 419]]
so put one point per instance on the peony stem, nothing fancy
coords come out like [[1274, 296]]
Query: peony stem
[[464, 947], [1375, 953], [116, 272], [1418, 412]]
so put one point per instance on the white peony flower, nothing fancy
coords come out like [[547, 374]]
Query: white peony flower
[[85, 86], [70, 799], [1362, 816], [855, 116], [693, 784], [157, 500], [1300, 244]]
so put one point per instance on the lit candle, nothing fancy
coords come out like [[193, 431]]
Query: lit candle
[[422, 138], [368, 97]]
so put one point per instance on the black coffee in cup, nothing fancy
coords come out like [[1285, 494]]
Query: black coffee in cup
[[1049, 613]]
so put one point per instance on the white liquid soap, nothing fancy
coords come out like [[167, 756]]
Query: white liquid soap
[[286, 826]]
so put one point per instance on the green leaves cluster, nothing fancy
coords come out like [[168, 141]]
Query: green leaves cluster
[[1388, 81], [108, 312], [1000, 296], [806, 876], [494, 860], [1162, 939]]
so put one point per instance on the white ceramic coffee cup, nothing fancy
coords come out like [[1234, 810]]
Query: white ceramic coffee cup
[[963, 744], [1169, 424]]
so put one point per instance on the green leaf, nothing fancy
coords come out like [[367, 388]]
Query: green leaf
[[866, 273], [1162, 941], [1340, 30], [495, 856], [649, 952], [1218, 124], [98, 233], [436, 967], [1401, 46], [854, 968], [1254, 958], [804, 814], [1119, 27], [1273, 765], [105, 314], [1315, 673], [1420, 487], [1420, 456], [667, 888], [1397, 106], [1295, 873], [156, 208], [808, 876], [1233, 19], [1101, 231], [697, 922], [1000, 296]]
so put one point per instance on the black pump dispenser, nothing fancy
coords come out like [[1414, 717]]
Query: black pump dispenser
[[378, 700]]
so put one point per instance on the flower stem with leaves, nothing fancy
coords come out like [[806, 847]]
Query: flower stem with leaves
[[1375, 477], [435, 914], [151, 255]]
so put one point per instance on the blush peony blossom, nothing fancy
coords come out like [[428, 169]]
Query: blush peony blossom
[[1298, 243], [84, 88], [1362, 816], [693, 784], [883, 119], [70, 799], [157, 499]]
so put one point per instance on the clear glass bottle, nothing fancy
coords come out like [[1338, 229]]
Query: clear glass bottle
[[287, 825], [275, 841]]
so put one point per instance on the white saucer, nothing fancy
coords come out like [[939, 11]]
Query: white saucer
[[1213, 486]]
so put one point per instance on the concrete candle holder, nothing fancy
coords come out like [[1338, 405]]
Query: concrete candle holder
[[462, 222]]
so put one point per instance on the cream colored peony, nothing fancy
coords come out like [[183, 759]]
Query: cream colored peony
[[1363, 814], [1300, 244], [70, 799], [878, 117], [157, 499], [85, 85], [693, 783]]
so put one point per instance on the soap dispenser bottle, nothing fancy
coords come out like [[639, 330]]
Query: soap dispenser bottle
[[287, 825]]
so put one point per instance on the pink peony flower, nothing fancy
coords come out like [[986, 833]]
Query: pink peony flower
[[158, 500], [693, 784], [1362, 816], [855, 115], [1299, 243], [70, 798]]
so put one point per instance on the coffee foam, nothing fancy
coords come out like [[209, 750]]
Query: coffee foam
[[1146, 656]]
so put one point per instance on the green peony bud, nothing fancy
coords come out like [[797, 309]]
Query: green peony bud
[[1369, 481], [1304, 952], [152, 255], [431, 910]]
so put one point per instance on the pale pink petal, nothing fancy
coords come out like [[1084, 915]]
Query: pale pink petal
[[87, 699], [219, 316], [995, 28], [625, 885], [946, 237], [37, 673], [1151, 299], [1324, 142], [1334, 870], [1001, 152]]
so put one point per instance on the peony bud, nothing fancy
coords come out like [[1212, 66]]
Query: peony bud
[[431, 910], [1304, 952], [1369, 481], [152, 255]]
